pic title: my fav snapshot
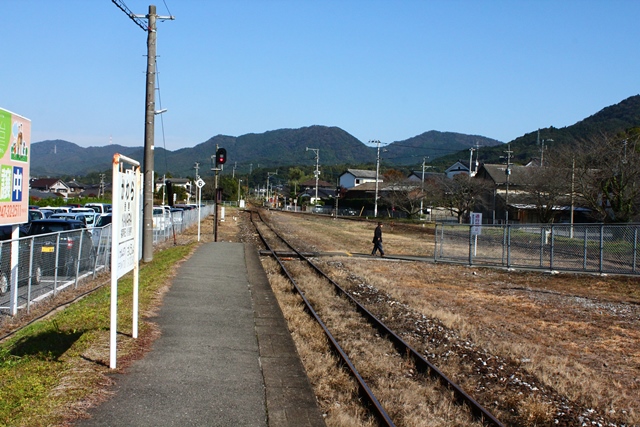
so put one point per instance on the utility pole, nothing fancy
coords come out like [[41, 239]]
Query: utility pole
[[424, 161], [149, 122], [540, 143], [101, 185], [269, 174], [375, 202], [573, 177], [507, 171], [317, 172]]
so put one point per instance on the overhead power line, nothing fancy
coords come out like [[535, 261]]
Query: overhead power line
[[123, 7]]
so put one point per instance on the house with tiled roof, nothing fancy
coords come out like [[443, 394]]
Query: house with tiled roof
[[50, 185], [354, 177]]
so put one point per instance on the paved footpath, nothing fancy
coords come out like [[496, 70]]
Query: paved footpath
[[224, 358]]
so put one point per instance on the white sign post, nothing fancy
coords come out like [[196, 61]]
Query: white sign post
[[124, 239], [199, 183], [476, 229]]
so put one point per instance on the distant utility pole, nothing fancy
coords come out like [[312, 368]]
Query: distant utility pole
[[149, 123], [375, 201], [424, 166], [101, 192], [507, 172], [540, 143], [317, 172]]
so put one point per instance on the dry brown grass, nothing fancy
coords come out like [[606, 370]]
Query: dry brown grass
[[568, 337]]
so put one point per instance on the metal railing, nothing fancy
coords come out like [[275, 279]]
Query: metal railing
[[596, 248], [49, 263]]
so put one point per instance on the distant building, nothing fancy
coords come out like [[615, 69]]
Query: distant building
[[326, 191], [354, 177], [416, 176], [456, 169], [50, 185], [75, 188]]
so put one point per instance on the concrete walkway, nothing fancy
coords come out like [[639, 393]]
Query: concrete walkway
[[224, 358]]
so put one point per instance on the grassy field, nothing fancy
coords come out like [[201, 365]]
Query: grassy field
[[51, 369]]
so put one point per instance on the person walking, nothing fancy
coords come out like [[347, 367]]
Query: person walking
[[377, 240]]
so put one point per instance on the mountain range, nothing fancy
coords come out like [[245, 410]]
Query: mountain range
[[288, 147]]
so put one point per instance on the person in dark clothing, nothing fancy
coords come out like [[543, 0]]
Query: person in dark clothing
[[377, 240]]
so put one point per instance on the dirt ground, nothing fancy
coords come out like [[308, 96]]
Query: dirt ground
[[536, 348]]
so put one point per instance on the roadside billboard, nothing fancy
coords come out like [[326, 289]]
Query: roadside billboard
[[15, 151]]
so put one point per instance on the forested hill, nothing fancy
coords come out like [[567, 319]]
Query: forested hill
[[607, 123], [272, 149], [288, 147]]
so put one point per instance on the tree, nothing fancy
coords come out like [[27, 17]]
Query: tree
[[462, 194], [295, 175], [607, 176], [402, 194], [547, 187]]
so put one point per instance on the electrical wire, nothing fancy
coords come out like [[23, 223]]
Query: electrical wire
[[167, 7], [164, 142]]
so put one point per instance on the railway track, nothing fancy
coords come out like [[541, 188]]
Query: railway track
[[289, 260]]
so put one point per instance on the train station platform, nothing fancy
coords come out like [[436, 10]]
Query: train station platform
[[224, 357]]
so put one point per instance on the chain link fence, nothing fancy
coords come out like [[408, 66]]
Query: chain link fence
[[595, 248], [50, 263]]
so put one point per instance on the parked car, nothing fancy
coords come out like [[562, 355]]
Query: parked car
[[161, 217], [75, 233], [101, 208], [104, 219], [58, 209], [89, 218], [100, 236], [24, 252], [349, 212]]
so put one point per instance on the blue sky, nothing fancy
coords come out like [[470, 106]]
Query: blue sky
[[379, 69]]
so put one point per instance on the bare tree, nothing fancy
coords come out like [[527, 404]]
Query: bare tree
[[401, 194], [607, 177], [548, 188], [462, 194]]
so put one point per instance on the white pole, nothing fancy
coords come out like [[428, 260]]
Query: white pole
[[136, 265], [199, 203], [115, 241]]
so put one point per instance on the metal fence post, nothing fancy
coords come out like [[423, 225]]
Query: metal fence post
[[30, 275], [56, 265], [552, 247], [435, 244], [470, 246], [635, 248], [509, 227], [586, 239], [601, 248], [543, 232], [504, 243], [77, 266]]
